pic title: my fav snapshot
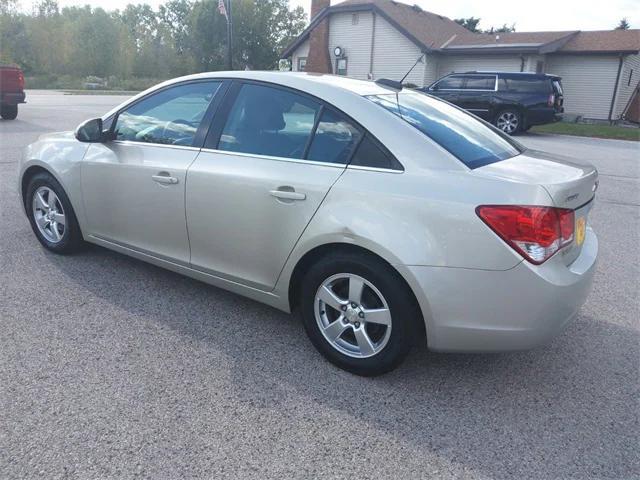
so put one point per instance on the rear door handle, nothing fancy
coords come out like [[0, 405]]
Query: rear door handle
[[165, 179], [288, 195]]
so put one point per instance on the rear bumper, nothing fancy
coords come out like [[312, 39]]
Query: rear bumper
[[489, 311], [12, 98], [542, 116]]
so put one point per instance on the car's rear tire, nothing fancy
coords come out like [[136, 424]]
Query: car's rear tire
[[9, 112], [358, 313], [51, 215], [509, 121]]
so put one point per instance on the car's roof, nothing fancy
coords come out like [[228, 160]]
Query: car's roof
[[510, 74], [300, 80]]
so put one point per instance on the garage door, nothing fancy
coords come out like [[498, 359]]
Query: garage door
[[587, 81]]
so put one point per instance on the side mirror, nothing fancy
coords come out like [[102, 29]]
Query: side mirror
[[433, 88], [90, 131]]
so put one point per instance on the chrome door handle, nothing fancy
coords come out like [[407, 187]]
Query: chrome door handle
[[165, 179], [288, 195]]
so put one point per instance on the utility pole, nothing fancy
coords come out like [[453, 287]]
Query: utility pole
[[229, 36]]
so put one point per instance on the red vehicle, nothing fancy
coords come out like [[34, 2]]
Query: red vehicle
[[11, 91]]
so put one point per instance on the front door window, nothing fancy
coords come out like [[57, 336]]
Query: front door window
[[169, 117]]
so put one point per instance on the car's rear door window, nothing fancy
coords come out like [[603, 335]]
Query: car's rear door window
[[169, 117], [471, 140], [334, 140], [480, 82], [269, 121]]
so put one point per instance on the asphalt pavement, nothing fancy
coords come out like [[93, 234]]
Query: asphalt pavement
[[113, 368]]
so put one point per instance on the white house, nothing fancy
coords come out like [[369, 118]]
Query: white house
[[370, 39]]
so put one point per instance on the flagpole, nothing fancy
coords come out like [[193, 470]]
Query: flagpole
[[229, 37]]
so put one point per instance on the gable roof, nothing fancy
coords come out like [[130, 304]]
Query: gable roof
[[430, 29], [605, 41], [511, 38], [425, 29], [432, 32], [622, 41]]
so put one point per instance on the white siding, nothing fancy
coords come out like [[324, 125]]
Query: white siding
[[431, 69], [355, 40], [588, 82], [394, 54], [301, 52], [465, 63], [531, 62], [629, 78]]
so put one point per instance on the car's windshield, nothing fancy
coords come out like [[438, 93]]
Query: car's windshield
[[469, 139]]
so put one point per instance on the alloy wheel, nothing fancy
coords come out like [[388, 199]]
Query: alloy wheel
[[48, 214], [353, 315], [508, 122]]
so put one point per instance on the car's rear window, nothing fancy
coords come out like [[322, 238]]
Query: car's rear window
[[557, 87], [469, 139], [524, 85]]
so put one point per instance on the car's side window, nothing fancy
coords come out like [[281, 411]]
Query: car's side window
[[453, 82], [371, 154], [269, 121], [334, 139], [169, 117], [480, 82], [525, 85]]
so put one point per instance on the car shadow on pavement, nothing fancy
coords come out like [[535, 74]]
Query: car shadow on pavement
[[541, 413]]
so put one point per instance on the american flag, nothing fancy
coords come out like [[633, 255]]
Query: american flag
[[222, 8]]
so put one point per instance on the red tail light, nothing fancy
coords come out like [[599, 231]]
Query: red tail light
[[537, 233], [20, 80], [551, 101]]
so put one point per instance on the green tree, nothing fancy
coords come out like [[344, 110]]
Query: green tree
[[95, 45], [470, 23], [180, 37], [503, 29], [623, 25]]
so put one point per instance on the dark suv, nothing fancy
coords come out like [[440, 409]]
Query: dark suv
[[513, 102]]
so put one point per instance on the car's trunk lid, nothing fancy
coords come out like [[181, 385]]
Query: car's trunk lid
[[570, 185]]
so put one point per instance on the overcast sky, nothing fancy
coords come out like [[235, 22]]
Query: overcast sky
[[528, 15]]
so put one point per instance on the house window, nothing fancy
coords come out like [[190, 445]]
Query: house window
[[630, 75], [302, 64], [341, 66], [355, 19]]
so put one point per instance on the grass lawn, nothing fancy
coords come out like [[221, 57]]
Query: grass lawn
[[586, 130]]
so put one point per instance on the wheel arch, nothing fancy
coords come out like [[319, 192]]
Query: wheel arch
[[36, 168], [509, 106], [28, 174], [313, 255]]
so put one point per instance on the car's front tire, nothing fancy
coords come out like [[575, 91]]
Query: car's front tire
[[509, 121], [51, 215], [358, 313], [9, 112]]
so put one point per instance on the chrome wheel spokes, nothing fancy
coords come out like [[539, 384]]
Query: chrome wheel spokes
[[352, 315], [508, 122], [48, 214]]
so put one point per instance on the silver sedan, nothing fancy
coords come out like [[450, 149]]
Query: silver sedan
[[384, 216]]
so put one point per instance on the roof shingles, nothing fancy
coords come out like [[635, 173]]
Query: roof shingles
[[436, 32]]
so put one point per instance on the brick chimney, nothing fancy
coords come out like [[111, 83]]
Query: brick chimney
[[319, 60]]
